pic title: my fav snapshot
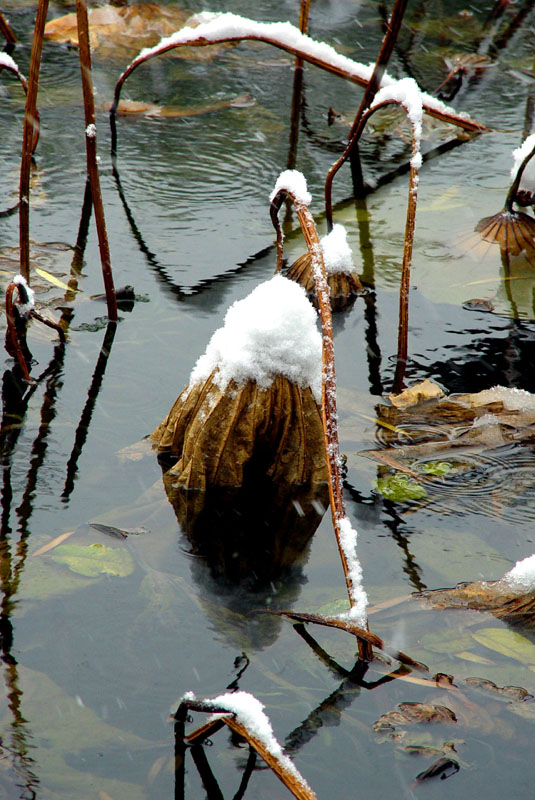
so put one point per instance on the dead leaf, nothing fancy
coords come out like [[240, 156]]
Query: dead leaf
[[343, 287], [413, 714], [131, 108], [114, 30], [214, 434], [497, 597], [54, 543], [419, 393]]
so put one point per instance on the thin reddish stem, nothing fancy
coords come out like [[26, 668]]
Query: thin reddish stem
[[30, 132], [91, 152]]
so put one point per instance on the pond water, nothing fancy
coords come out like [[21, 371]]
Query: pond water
[[95, 660]]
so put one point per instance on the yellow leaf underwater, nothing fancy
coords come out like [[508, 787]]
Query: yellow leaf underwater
[[508, 643], [52, 279]]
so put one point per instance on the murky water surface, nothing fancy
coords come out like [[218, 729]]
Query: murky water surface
[[96, 658]]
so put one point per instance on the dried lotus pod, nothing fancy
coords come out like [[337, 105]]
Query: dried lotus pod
[[216, 433], [343, 286]]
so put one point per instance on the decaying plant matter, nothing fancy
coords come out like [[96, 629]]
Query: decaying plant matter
[[244, 715]]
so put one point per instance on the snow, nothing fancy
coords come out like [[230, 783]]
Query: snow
[[522, 576], [216, 26], [512, 399], [407, 93], [337, 254], [7, 61], [527, 181], [348, 542], [249, 712], [270, 332], [293, 181], [25, 308], [91, 130]]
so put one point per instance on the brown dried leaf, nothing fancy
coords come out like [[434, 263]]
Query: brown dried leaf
[[343, 287], [114, 30], [214, 434], [413, 714], [137, 108], [419, 393], [497, 597]]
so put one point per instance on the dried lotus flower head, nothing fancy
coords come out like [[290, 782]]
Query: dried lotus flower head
[[342, 279], [253, 398], [512, 230]]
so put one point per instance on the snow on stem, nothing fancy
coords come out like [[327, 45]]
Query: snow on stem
[[29, 138], [291, 185], [244, 714], [91, 152], [216, 28]]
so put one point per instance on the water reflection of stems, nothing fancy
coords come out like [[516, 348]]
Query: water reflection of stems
[[29, 139], [85, 419], [91, 151]]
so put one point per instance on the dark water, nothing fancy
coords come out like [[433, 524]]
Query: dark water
[[94, 664]]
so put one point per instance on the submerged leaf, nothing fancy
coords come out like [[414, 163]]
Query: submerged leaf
[[400, 488], [94, 559], [509, 643]]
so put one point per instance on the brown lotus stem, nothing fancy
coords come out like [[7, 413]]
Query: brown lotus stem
[[30, 132], [200, 41], [297, 91], [387, 46], [91, 152], [50, 324], [328, 395], [293, 781], [12, 334], [6, 30]]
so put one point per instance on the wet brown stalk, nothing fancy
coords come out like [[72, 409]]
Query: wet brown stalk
[[6, 31], [12, 335], [297, 787], [328, 400], [372, 88], [91, 151], [297, 91], [30, 132]]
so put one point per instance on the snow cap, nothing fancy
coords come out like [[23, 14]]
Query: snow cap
[[271, 332]]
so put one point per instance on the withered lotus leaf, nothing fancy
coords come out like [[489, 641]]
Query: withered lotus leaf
[[413, 713], [116, 29], [343, 286], [500, 598], [215, 434]]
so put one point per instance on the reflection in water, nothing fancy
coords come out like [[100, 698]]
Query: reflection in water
[[250, 543]]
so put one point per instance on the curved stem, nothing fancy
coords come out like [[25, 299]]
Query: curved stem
[[511, 194], [12, 332], [198, 40]]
